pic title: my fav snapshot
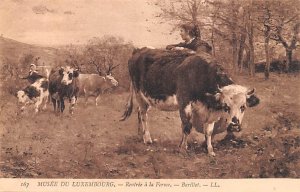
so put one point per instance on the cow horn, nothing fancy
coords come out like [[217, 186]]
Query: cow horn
[[251, 92], [208, 94], [218, 89]]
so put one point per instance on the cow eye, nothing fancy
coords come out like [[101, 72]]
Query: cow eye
[[226, 108], [70, 75], [243, 108]]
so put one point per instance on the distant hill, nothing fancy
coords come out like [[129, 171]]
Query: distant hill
[[13, 50]]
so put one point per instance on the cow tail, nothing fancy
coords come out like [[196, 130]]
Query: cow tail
[[129, 105], [47, 77], [47, 74]]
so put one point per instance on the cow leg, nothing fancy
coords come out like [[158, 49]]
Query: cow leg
[[140, 132], [209, 128], [38, 103], [86, 98], [54, 103], [144, 107], [186, 125], [72, 104], [62, 105], [146, 135], [96, 100], [24, 106], [45, 100], [58, 108]]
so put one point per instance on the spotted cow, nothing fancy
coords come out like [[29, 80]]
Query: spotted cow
[[36, 93], [63, 83], [196, 85]]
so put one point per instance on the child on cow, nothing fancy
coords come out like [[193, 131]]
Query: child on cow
[[33, 74], [32, 69], [191, 35]]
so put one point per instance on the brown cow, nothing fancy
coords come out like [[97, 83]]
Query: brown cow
[[94, 85], [193, 84]]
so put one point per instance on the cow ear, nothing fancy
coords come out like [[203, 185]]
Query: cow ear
[[252, 101], [75, 73], [213, 101], [251, 92], [15, 93], [61, 71]]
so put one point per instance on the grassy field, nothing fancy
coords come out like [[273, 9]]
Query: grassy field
[[93, 143]]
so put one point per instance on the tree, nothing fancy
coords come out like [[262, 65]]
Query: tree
[[73, 56], [250, 33], [103, 53], [181, 11], [178, 12], [280, 20], [109, 54]]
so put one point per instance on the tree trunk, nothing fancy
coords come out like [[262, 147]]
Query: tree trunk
[[250, 30], [251, 57], [234, 52], [267, 67], [247, 60], [289, 54], [251, 47], [241, 51], [234, 36], [213, 38]]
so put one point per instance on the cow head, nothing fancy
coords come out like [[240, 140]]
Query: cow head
[[111, 80], [68, 74], [234, 100], [22, 97]]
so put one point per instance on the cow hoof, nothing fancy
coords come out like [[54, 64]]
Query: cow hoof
[[212, 154], [147, 138], [148, 141], [183, 148]]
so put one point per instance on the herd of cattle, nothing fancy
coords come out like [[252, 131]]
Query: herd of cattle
[[61, 84], [195, 84]]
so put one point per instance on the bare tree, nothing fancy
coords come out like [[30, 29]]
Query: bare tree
[[181, 11], [74, 56], [250, 33], [102, 53]]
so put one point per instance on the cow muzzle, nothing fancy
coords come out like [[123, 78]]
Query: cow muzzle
[[232, 127], [64, 82]]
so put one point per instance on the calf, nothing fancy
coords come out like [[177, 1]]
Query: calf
[[63, 84], [36, 94], [190, 84], [94, 85]]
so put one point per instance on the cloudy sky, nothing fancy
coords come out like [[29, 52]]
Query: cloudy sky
[[55, 22]]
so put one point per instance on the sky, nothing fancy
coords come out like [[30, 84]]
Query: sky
[[58, 22]]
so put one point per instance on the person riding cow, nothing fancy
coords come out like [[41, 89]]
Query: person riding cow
[[190, 33], [197, 86]]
